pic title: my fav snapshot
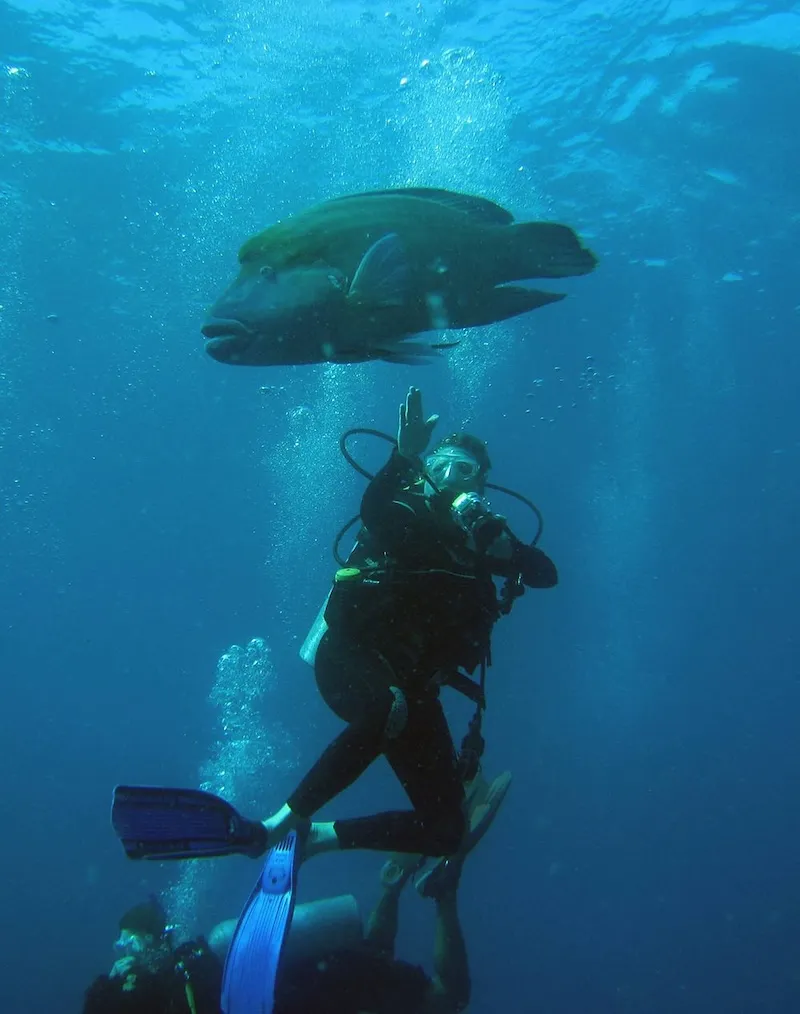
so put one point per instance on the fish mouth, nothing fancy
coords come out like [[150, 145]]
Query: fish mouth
[[227, 340], [221, 327], [232, 349]]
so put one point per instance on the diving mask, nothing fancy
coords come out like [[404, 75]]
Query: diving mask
[[454, 469]]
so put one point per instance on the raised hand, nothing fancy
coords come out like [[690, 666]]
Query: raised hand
[[414, 430]]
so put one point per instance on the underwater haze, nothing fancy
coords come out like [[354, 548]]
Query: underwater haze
[[167, 520]]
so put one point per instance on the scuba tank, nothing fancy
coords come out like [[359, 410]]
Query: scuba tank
[[317, 928], [308, 649]]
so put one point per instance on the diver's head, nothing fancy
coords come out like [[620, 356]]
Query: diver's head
[[147, 919], [458, 464], [143, 939]]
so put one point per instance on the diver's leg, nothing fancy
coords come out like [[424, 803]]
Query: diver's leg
[[444, 875], [344, 761], [354, 683], [451, 986], [424, 759], [450, 990], [341, 764], [426, 763]]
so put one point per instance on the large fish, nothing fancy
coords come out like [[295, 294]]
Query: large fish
[[354, 278]]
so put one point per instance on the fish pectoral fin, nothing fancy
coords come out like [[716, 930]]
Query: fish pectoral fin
[[407, 353], [342, 356], [382, 276], [490, 305]]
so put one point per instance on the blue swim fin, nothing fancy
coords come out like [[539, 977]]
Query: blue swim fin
[[251, 968], [162, 823]]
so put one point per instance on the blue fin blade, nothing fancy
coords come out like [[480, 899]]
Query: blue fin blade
[[251, 967], [154, 822]]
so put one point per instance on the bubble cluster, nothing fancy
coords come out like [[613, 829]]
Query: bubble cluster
[[247, 750], [453, 103]]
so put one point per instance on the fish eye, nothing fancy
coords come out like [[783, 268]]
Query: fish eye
[[267, 271]]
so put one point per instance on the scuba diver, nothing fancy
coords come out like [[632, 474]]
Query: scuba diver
[[150, 976], [282, 958], [412, 611]]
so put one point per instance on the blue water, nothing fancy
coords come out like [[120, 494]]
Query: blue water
[[159, 508]]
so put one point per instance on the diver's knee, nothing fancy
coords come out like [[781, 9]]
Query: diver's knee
[[462, 996], [448, 832]]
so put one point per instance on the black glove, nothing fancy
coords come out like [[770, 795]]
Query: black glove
[[486, 530]]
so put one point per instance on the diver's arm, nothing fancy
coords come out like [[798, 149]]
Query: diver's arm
[[386, 509], [383, 921], [536, 567], [490, 537], [508, 556], [388, 515]]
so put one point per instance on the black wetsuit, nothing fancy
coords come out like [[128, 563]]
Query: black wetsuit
[[423, 604], [352, 982], [191, 971], [344, 982]]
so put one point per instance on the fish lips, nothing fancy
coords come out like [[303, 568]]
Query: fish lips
[[229, 341]]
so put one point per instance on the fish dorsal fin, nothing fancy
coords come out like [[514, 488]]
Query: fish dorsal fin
[[381, 278], [478, 207]]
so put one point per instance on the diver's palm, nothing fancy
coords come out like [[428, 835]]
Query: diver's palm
[[414, 430]]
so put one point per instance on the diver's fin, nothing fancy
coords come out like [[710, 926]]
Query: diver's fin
[[251, 967], [381, 278], [399, 867], [475, 793], [477, 207], [547, 250], [444, 875], [500, 303], [162, 823], [483, 813]]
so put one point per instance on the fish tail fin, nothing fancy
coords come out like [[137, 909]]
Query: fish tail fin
[[547, 250]]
